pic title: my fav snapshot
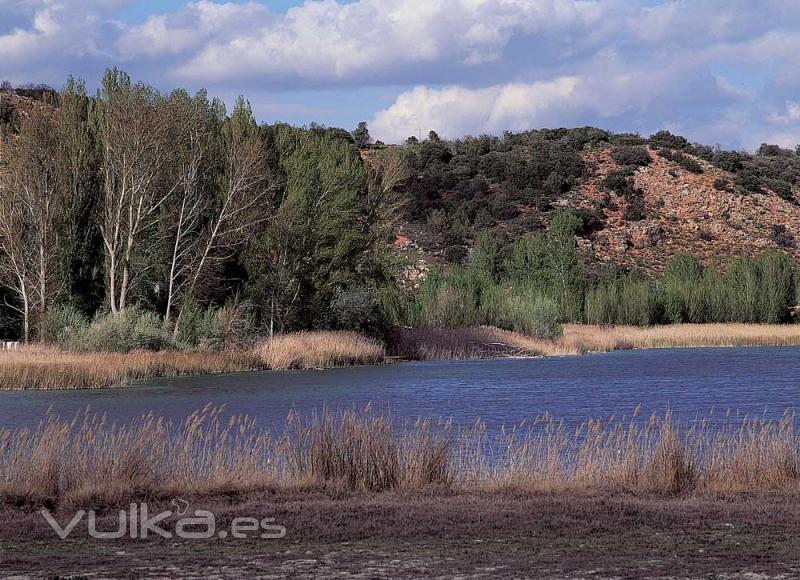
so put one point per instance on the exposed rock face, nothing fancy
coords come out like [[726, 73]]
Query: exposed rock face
[[684, 213]]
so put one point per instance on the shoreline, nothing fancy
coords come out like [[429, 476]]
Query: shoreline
[[435, 534], [42, 367], [617, 499]]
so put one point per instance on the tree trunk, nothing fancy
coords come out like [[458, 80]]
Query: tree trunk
[[26, 316]]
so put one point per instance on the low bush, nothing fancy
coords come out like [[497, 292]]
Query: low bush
[[619, 181], [682, 160], [722, 184], [60, 325], [213, 328], [532, 315], [631, 155], [133, 329], [358, 310]]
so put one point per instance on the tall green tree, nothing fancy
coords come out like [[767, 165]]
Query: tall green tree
[[565, 267], [317, 243]]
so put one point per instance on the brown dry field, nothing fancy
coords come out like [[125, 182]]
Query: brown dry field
[[440, 534]]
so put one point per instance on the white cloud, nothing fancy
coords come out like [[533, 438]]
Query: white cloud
[[789, 115], [606, 91], [324, 41], [454, 111], [713, 69], [47, 34]]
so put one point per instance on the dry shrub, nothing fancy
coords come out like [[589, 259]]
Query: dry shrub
[[608, 338], [319, 350], [465, 343]]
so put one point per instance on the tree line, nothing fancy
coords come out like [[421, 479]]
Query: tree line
[[203, 226], [541, 282], [171, 204]]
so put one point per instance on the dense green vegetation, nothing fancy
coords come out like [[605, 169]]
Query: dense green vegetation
[[175, 212], [136, 219], [541, 283]]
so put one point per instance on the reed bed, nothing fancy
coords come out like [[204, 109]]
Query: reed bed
[[487, 341], [91, 462], [606, 338], [41, 367], [320, 350]]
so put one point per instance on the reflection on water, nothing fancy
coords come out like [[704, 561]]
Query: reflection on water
[[692, 382]]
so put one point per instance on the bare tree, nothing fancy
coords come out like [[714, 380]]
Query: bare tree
[[240, 202], [387, 171], [31, 211], [134, 129], [193, 139]]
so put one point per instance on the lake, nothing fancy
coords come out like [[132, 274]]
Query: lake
[[692, 382]]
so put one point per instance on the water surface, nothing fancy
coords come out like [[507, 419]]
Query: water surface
[[692, 382]]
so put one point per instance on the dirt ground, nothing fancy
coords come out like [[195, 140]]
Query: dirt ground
[[434, 535]]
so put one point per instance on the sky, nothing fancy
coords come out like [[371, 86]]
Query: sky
[[716, 71]]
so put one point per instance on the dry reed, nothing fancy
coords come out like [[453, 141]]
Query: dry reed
[[90, 462], [320, 350], [40, 367], [486, 341]]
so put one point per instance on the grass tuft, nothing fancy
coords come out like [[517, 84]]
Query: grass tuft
[[91, 462], [320, 350]]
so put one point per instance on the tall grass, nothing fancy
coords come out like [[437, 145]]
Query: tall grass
[[319, 350], [486, 341], [41, 367], [89, 461], [49, 367]]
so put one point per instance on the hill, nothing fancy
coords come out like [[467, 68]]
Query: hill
[[641, 201]]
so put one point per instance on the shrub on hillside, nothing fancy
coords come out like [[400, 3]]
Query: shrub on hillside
[[667, 139], [681, 159], [618, 181], [722, 184], [634, 209], [631, 155]]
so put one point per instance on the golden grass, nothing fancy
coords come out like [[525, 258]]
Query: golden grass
[[486, 341], [608, 338], [46, 367], [41, 367], [320, 350], [90, 462]]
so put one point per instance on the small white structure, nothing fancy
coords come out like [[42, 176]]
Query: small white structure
[[9, 345]]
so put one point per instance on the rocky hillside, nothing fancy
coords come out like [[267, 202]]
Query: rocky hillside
[[684, 212], [641, 201]]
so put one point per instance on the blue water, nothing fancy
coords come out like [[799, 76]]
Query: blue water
[[691, 382]]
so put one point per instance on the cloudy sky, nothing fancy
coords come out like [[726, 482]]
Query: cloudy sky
[[717, 71]]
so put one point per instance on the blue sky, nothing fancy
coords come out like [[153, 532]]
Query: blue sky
[[716, 71]]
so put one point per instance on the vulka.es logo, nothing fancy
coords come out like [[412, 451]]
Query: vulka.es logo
[[136, 522]]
